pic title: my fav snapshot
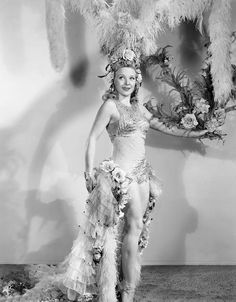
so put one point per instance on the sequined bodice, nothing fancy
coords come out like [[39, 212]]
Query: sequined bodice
[[128, 135], [131, 121]]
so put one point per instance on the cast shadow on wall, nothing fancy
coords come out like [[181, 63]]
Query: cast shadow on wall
[[14, 160], [58, 210]]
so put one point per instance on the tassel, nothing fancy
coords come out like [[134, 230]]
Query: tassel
[[220, 37], [56, 32]]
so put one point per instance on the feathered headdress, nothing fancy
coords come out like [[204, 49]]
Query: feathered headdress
[[136, 24]]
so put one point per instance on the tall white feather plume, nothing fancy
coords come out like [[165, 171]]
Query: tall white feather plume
[[174, 11], [90, 9], [55, 32], [130, 6], [220, 37]]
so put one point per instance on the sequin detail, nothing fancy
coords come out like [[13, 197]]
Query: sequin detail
[[131, 121]]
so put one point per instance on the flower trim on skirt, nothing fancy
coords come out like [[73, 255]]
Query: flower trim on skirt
[[92, 264]]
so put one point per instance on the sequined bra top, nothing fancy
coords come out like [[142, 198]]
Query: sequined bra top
[[132, 122]]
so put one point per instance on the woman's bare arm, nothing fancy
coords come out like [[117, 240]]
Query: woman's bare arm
[[102, 119], [156, 124]]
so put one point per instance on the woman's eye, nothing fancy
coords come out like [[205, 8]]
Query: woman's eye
[[132, 78]]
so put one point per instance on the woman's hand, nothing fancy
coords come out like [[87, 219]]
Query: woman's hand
[[89, 181]]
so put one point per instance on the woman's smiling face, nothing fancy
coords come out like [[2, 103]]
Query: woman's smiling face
[[125, 80]]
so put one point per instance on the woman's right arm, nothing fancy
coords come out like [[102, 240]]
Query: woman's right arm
[[102, 119]]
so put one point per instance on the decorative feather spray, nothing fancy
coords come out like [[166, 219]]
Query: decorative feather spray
[[55, 32], [220, 37]]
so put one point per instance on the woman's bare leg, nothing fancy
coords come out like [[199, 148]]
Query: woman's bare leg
[[139, 194]]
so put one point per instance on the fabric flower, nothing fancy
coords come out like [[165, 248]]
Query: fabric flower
[[189, 121], [128, 54], [212, 125], [118, 175], [97, 254], [139, 78], [125, 185], [201, 106], [220, 116], [107, 165]]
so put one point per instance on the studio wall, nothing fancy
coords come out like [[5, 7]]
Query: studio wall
[[45, 119]]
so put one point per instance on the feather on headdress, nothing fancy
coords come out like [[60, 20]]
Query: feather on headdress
[[136, 24]]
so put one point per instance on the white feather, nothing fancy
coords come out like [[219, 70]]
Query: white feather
[[107, 279], [55, 32], [220, 37]]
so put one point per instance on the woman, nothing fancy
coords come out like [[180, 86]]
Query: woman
[[123, 191]]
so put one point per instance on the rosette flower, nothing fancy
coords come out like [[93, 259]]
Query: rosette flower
[[107, 165], [189, 121], [212, 125], [128, 54], [118, 175], [201, 106]]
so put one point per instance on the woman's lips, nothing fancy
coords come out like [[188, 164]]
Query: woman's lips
[[126, 88]]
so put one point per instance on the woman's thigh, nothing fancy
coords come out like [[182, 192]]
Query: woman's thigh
[[139, 196]]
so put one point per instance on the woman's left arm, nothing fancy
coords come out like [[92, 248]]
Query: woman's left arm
[[156, 124]]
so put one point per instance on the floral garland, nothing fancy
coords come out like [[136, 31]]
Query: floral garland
[[120, 184], [195, 107]]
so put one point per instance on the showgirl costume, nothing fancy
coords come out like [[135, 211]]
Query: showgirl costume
[[94, 263]]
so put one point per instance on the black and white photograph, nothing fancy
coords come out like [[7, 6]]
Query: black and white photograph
[[118, 150]]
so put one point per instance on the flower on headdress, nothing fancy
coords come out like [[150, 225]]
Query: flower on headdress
[[201, 106], [128, 54], [118, 175], [139, 77], [189, 121]]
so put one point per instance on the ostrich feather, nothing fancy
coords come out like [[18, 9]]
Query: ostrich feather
[[108, 274], [220, 37], [90, 9], [174, 11], [130, 6], [55, 32], [119, 31]]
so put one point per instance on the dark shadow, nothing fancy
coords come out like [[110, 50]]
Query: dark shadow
[[78, 73]]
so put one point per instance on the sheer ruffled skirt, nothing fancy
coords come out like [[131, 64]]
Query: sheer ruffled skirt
[[93, 263]]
